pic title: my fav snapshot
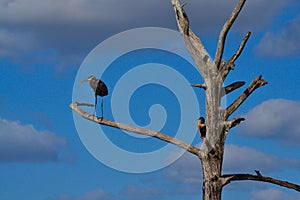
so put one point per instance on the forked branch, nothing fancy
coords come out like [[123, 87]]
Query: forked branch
[[225, 30], [76, 107], [256, 83], [225, 67], [234, 122], [230, 124], [226, 179]]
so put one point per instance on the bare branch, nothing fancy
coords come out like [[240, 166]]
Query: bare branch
[[243, 177], [225, 67], [181, 16], [75, 106], [225, 30], [192, 42], [256, 83], [258, 173], [234, 122], [203, 86], [85, 104], [241, 48], [232, 87], [230, 124]]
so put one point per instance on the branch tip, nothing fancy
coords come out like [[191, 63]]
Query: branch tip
[[256, 83], [225, 30], [203, 86], [230, 88]]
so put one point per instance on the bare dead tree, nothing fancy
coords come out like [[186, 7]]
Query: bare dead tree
[[218, 122]]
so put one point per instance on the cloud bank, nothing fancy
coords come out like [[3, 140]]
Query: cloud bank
[[23, 143], [63, 32], [276, 119], [184, 177]]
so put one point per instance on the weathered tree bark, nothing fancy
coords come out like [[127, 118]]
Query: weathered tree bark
[[214, 74], [218, 123]]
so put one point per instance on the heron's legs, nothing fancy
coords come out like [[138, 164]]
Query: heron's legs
[[101, 107], [95, 106]]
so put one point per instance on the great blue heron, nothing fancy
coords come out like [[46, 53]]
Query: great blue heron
[[201, 127], [100, 89]]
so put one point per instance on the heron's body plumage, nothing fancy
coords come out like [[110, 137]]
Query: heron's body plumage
[[99, 87]]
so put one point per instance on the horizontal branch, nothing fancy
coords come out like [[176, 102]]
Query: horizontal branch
[[225, 67], [226, 179], [75, 106], [256, 83], [230, 88], [225, 30]]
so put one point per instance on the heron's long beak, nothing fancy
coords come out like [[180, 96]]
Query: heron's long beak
[[84, 81]]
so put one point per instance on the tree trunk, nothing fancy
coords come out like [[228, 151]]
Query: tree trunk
[[213, 143], [212, 186]]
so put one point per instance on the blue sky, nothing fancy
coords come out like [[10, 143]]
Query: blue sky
[[42, 46]]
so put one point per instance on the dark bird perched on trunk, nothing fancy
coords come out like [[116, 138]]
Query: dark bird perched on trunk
[[100, 89], [201, 127]]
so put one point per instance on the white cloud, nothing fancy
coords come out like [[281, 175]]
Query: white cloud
[[285, 42], [23, 143], [276, 119], [12, 43], [244, 159], [132, 192], [273, 194]]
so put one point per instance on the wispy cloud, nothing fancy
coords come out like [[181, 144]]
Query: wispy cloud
[[23, 143], [282, 43], [276, 119], [12, 43], [95, 194], [132, 192]]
